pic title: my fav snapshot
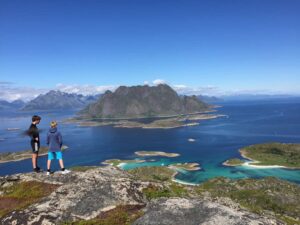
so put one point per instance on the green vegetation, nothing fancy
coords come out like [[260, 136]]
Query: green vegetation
[[21, 195], [172, 190], [287, 155], [259, 196], [121, 215], [163, 175], [165, 123], [83, 168], [17, 156], [158, 173], [233, 162]]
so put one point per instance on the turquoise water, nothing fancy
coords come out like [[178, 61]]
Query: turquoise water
[[215, 140]]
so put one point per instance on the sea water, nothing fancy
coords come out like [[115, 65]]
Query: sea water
[[216, 140]]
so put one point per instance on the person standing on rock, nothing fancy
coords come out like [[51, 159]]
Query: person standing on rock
[[54, 140], [33, 133]]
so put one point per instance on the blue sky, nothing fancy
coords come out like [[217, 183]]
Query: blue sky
[[225, 45]]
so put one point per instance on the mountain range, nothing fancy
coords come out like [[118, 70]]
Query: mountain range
[[143, 101], [17, 104], [59, 100]]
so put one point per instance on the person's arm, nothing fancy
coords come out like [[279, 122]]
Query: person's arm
[[48, 138], [60, 141], [35, 134]]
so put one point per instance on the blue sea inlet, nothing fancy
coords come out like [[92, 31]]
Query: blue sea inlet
[[216, 140]]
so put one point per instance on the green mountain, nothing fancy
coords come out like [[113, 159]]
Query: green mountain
[[143, 101]]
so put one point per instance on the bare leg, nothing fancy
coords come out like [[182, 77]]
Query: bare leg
[[61, 163], [48, 164], [34, 160]]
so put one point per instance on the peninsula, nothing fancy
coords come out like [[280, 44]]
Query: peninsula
[[269, 155], [21, 155]]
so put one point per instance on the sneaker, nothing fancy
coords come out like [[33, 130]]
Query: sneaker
[[37, 170], [65, 171], [49, 172]]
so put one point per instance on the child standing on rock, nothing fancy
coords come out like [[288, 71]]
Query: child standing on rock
[[33, 133], [54, 140]]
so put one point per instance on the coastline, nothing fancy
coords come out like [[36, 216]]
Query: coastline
[[22, 155], [159, 122], [25, 156], [248, 164]]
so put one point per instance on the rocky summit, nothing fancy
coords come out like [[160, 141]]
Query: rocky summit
[[109, 195], [144, 101]]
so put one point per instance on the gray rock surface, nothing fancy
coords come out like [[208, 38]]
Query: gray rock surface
[[84, 195], [182, 211]]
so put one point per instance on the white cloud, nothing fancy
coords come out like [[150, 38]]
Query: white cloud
[[9, 92], [85, 89], [205, 90], [158, 81]]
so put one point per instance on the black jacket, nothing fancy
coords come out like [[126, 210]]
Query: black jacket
[[33, 133]]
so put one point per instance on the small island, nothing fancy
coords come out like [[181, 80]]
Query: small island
[[156, 153], [27, 154], [119, 162], [233, 162], [269, 155], [185, 166], [12, 129]]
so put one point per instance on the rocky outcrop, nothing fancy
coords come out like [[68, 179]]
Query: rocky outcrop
[[143, 101], [82, 195], [178, 211], [97, 191]]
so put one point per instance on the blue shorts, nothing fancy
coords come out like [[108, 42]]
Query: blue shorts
[[54, 155]]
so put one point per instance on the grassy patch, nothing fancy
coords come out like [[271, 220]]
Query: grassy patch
[[83, 168], [158, 173], [121, 215], [274, 154], [21, 195], [233, 162], [173, 190], [259, 196]]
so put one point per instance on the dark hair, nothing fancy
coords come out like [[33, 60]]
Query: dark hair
[[36, 118]]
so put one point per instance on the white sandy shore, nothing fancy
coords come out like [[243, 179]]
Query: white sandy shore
[[121, 165], [183, 182], [250, 164]]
